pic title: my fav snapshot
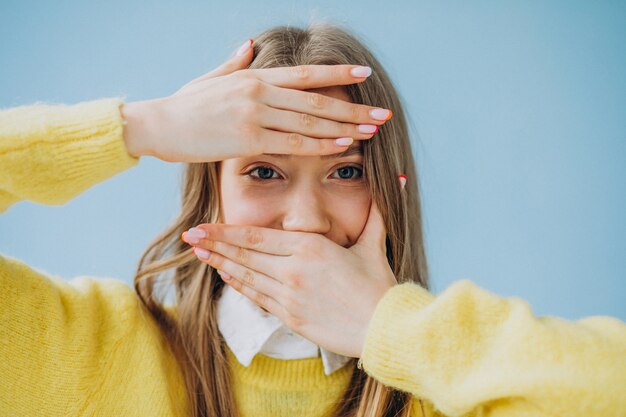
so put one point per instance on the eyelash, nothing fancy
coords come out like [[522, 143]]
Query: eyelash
[[356, 167]]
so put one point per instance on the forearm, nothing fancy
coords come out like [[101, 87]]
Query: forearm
[[51, 153]]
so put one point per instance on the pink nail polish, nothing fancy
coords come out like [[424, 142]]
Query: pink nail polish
[[190, 239], [244, 48], [197, 232], [224, 275], [367, 128], [361, 72], [202, 253], [344, 141], [380, 114]]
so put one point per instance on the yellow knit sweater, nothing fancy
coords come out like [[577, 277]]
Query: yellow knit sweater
[[88, 348]]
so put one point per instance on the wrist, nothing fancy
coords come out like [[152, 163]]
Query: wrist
[[139, 127]]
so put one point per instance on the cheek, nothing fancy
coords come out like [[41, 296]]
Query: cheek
[[350, 213], [241, 205]]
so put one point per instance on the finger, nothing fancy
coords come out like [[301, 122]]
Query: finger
[[323, 106], [260, 299], [261, 239], [306, 124], [240, 60], [304, 77], [261, 283], [237, 61], [272, 141], [264, 263], [374, 234]]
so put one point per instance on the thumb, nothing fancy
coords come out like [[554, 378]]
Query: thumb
[[374, 234], [239, 60]]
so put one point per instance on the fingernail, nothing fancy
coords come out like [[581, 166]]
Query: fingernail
[[224, 275], [197, 232], [402, 179], [380, 114], [190, 239], [367, 128], [361, 72], [344, 141], [244, 48], [202, 253]]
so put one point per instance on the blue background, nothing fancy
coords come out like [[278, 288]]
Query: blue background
[[519, 110]]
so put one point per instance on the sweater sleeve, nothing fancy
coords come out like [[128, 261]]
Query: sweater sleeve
[[51, 153], [83, 347], [469, 352], [55, 335]]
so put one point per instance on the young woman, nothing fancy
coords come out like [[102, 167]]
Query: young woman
[[324, 241]]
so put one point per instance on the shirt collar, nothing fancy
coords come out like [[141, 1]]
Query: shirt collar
[[249, 330]]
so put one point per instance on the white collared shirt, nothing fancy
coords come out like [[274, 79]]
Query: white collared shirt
[[249, 330]]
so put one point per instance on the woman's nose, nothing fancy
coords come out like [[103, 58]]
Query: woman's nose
[[306, 211]]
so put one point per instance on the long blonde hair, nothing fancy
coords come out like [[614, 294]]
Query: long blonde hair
[[191, 331]]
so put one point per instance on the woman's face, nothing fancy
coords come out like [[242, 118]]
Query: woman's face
[[319, 194]]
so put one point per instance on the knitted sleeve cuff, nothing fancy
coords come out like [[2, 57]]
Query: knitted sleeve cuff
[[386, 350]]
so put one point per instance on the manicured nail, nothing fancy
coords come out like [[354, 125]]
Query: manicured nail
[[224, 275], [361, 72], [367, 128], [190, 239], [244, 48], [197, 232], [344, 141], [202, 253], [380, 114]]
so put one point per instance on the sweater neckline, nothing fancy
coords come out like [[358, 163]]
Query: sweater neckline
[[288, 374]]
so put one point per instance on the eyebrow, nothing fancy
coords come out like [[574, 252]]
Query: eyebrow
[[352, 150]]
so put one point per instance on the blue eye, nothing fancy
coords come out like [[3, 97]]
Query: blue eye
[[265, 173], [345, 173]]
